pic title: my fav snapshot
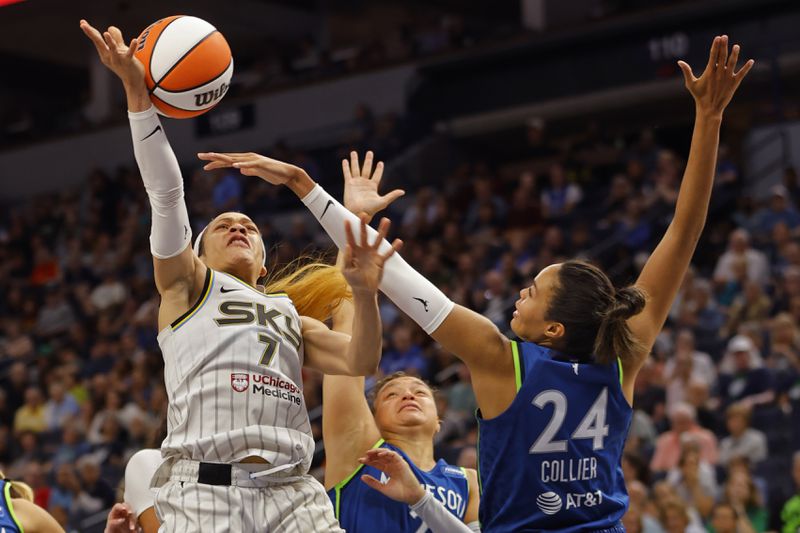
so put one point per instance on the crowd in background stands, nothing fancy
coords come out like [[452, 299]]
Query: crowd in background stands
[[716, 431]]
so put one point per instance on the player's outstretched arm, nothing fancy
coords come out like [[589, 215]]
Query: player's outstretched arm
[[178, 273], [363, 269], [663, 273], [346, 437], [403, 486], [470, 336]]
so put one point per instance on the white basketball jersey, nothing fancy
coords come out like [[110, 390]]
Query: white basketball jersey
[[233, 375]]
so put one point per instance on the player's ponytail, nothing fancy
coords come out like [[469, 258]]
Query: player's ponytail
[[18, 489], [593, 313], [614, 337], [315, 288]]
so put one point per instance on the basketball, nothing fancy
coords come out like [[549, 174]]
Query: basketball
[[188, 65]]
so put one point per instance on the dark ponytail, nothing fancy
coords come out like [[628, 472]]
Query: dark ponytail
[[614, 338], [594, 314]]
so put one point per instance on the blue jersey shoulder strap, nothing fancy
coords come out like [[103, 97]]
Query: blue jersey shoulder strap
[[8, 519]]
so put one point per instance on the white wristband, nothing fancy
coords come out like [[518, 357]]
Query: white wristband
[[408, 289], [437, 517]]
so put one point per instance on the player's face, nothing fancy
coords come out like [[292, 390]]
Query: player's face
[[231, 241], [528, 322], [406, 402]]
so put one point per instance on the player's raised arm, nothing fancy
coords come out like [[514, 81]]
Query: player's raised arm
[[336, 353], [346, 437], [470, 336], [178, 272], [662, 274]]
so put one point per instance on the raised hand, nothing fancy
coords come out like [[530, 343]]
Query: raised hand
[[363, 263], [403, 486], [713, 90], [251, 164], [115, 54], [361, 186]]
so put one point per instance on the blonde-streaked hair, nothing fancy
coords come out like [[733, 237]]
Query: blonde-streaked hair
[[18, 489], [316, 288]]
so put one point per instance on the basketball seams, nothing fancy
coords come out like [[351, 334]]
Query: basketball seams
[[215, 78], [153, 50], [178, 61]]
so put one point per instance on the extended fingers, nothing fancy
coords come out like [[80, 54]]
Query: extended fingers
[[744, 70], [133, 46], [346, 169], [378, 173], [397, 245], [722, 58], [712, 55], [733, 59], [367, 168], [354, 164], [94, 36], [363, 228], [383, 230], [348, 231]]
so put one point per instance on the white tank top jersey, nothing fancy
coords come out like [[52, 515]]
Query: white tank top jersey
[[233, 376]]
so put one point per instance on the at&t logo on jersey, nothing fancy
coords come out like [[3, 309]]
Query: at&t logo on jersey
[[549, 502], [240, 381]]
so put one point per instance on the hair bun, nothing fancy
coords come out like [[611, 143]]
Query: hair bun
[[628, 302]]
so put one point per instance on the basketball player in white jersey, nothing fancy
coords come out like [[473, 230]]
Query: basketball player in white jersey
[[238, 443]]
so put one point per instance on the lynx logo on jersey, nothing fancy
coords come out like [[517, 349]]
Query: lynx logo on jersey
[[240, 382]]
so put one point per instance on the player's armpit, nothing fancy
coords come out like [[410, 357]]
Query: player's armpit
[[474, 339]]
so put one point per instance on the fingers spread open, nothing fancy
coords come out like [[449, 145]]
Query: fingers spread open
[[733, 59], [346, 170], [348, 231], [744, 70], [378, 173], [367, 168], [712, 55], [722, 58], [354, 164], [383, 230]]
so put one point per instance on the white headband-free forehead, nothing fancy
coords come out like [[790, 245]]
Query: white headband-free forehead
[[199, 238]]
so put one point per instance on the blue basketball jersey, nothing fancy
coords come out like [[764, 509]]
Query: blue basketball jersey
[[552, 460], [8, 521], [360, 508]]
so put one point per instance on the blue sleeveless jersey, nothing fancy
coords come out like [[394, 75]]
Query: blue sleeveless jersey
[[552, 460], [362, 509], [8, 521]]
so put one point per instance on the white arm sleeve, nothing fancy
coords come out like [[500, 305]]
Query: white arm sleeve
[[170, 231], [408, 289], [138, 472], [438, 518]]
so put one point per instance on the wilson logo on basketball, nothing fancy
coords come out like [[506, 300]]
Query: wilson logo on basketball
[[240, 382], [207, 97]]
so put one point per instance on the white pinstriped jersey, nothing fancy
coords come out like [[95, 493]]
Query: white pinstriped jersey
[[233, 376]]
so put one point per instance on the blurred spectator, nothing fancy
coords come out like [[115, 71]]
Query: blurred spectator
[[32, 415], [742, 376], [675, 518], [779, 210], [60, 408], [725, 519], [684, 426], [95, 493], [743, 440], [739, 247], [405, 355], [741, 494], [694, 480], [559, 198]]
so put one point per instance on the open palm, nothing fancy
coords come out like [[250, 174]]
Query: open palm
[[361, 186], [363, 262]]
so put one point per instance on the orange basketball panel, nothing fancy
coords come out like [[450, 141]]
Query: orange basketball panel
[[202, 64], [147, 43], [172, 111]]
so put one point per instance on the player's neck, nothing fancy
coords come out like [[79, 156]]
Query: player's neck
[[418, 448]]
